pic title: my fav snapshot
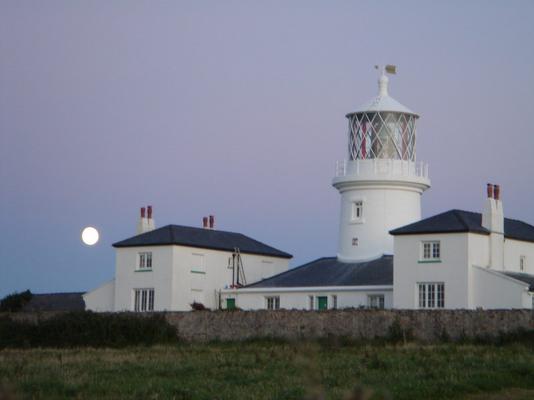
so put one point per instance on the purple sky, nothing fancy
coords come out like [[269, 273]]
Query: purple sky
[[237, 109]]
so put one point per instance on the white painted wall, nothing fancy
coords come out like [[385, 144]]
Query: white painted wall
[[391, 194], [217, 276], [465, 270], [513, 249], [100, 299], [492, 290], [128, 277], [299, 298], [479, 253], [384, 209], [408, 270], [175, 285]]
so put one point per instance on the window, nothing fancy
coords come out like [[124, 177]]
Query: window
[[431, 295], [357, 211], [310, 302], [197, 264], [355, 241], [273, 302], [145, 260], [143, 300], [431, 251], [375, 301], [334, 301], [522, 263]]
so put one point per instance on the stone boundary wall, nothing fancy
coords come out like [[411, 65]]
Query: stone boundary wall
[[421, 325], [424, 326]]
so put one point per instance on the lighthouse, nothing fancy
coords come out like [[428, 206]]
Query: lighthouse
[[381, 181]]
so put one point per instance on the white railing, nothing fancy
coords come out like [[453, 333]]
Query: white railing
[[382, 167]]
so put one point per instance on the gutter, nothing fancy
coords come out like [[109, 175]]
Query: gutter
[[301, 289]]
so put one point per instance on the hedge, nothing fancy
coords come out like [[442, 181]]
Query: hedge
[[87, 329]]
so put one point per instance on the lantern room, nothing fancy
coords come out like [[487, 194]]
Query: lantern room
[[382, 128]]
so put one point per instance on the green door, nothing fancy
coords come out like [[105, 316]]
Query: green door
[[322, 302], [230, 304]]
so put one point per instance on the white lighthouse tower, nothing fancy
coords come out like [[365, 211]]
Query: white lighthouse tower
[[381, 182]]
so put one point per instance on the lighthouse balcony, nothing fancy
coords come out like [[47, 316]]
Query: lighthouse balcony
[[382, 169]]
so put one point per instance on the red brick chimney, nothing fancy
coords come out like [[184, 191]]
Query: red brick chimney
[[490, 190]]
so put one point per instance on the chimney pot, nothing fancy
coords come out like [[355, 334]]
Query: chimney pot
[[496, 192], [205, 222], [212, 221], [142, 212], [149, 212], [490, 191]]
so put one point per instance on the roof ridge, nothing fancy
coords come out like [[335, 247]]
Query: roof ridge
[[518, 220], [58, 293], [201, 229]]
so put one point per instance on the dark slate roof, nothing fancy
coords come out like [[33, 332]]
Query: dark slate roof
[[202, 238], [56, 302], [529, 279], [465, 221], [329, 271]]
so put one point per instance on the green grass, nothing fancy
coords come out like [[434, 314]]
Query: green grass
[[270, 370]]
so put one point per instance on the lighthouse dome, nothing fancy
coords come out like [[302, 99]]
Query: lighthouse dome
[[383, 101]]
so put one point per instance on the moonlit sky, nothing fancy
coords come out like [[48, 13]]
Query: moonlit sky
[[238, 109]]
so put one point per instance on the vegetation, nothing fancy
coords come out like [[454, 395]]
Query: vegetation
[[198, 307], [15, 301], [77, 329], [330, 369]]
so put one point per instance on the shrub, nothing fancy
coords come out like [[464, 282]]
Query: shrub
[[15, 301], [198, 307], [85, 328], [397, 334]]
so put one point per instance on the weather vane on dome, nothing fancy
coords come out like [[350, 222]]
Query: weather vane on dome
[[389, 68]]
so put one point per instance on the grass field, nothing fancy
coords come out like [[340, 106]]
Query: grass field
[[267, 370]]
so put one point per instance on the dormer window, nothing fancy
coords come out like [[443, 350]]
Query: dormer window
[[357, 211]]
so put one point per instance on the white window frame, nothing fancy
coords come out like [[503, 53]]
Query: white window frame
[[522, 263], [144, 261], [357, 211], [199, 263], [430, 295], [272, 302], [430, 251], [143, 300], [377, 301]]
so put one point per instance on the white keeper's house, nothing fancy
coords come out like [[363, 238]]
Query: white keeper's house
[[387, 256]]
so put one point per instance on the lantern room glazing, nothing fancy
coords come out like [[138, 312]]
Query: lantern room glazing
[[382, 134]]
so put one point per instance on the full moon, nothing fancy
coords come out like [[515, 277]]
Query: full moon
[[90, 236]]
